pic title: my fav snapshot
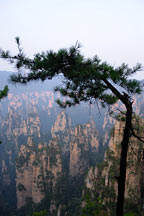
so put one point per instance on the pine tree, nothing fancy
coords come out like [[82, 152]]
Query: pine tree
[[87, 80], [4, 92]]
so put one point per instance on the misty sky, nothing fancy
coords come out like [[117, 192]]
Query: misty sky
[[112, 29]]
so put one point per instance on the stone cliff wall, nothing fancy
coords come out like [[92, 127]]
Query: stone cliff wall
[[50, 149], [101, 180]]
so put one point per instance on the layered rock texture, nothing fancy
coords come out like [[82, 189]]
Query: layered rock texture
[[49, 156], [46, 151], [102, 180]]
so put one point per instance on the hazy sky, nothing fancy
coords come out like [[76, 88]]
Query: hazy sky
[[112, 29]]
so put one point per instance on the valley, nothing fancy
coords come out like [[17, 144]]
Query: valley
[[51, 158]]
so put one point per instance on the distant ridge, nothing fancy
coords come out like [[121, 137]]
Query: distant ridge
[[32, 86]]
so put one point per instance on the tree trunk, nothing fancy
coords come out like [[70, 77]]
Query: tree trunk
[[123, 160]]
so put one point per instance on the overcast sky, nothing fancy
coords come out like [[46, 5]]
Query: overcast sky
[[112, 29]]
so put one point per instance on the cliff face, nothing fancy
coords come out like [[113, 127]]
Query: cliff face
[[37, 171], [41, 165], [47, 152], [101, 179], [21, 118], [134, 159], [84, 140], [44, 153]]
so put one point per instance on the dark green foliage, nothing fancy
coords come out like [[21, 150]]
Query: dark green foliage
[[83, 79], [112, 132], [22, 159], [93, 207], [131, 214], [41, 213], [4, 92], [21, 187]]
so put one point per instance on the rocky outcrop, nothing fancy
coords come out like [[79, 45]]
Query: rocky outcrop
[[84, 140], [102, 181], [54, 152], [60, 124], [36, 171], [41, 166], [134, 160], [48, 153]]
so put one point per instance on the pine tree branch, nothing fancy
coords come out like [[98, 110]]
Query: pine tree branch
[[115, 91], [136, 136]]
